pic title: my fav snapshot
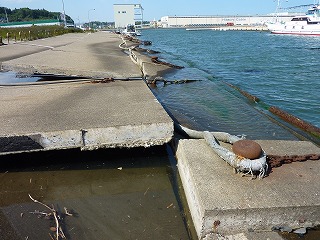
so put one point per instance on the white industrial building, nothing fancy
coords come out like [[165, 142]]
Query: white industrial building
[[213, 21], [125, 14]]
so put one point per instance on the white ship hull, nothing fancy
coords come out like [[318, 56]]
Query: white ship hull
[[308, 24], [296, 29]]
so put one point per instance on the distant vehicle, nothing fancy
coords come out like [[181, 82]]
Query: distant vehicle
[[131, 30], [308, 24]]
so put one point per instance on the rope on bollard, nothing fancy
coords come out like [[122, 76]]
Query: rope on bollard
[[240, 164]]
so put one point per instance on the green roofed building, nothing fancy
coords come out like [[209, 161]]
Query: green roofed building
[[32, 23]]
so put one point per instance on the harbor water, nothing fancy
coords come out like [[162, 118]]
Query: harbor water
[[280, 70]]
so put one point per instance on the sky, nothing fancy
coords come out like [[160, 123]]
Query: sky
[[82, 10]]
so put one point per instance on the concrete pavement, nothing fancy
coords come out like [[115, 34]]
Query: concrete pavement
[[92, 55], [58, 115], [82, 114], [289, 196], [24, 48]]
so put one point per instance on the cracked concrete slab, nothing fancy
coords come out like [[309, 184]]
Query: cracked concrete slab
[[81, 115]]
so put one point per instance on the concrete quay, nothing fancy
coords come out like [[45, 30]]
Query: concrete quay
[[78, 114], [289, 196]]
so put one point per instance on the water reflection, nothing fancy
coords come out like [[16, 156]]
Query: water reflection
[[13, 77], [112, 195]]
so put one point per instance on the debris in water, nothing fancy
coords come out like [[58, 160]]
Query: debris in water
[[146, 191], [171, 205], [301, 231], [57, 218]]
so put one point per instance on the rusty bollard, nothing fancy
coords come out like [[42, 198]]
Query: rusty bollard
[[8, 35]]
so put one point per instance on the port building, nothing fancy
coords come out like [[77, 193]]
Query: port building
[[214, 21], [125, 14]]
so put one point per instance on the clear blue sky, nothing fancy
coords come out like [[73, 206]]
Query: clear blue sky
[[153, 9]]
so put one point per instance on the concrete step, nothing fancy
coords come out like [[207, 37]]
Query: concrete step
[[289, 196]]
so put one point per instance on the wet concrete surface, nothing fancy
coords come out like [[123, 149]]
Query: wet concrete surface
[[113, 194]]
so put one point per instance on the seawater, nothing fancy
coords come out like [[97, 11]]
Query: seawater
[[280, 70], [112, 194]]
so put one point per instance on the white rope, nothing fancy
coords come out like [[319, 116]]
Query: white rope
[[244, 165]]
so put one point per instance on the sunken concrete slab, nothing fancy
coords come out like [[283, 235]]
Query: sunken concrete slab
[[81, 114], [289, 196]]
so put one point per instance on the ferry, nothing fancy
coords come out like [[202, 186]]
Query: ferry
[[307, 24]]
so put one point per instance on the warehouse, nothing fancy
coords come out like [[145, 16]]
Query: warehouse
[[213, 21]]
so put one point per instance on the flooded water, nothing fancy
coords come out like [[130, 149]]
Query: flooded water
[[312, 234], [112, 194], [13, 77]]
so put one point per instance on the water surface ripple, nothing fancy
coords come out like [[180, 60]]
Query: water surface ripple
[[280, 70]]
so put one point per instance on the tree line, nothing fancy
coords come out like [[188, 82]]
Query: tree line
[[26, 14]]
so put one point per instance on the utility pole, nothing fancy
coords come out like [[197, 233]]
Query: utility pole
[[89, 16], [6, 15], [64, 15]]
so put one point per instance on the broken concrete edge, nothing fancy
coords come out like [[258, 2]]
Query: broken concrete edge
[[190, 190], [245, 236], [146, 135], [149, 69], [258, 219]]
